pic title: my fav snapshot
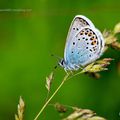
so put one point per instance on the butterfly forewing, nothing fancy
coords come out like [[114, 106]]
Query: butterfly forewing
[[78, 22]]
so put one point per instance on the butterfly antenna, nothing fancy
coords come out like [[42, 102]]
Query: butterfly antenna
[[55, 67], [59, 58]]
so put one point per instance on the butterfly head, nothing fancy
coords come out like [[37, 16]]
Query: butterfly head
[[62, 63]]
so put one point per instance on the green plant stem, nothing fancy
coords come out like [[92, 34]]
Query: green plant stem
[[75, 75], [47, 102]]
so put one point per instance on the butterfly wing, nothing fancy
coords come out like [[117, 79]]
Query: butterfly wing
[[78, 22], [86, 46]]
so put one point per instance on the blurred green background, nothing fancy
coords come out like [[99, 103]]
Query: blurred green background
[[27, 39]]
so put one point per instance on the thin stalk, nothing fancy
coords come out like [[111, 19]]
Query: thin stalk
[[75, 75], [47, 102]]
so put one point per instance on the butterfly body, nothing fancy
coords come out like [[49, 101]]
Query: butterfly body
[[84, 44]]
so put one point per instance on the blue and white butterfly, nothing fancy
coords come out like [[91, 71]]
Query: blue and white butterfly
[[84, 44]]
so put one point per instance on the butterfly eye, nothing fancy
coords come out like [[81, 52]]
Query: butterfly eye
[[62, 62]]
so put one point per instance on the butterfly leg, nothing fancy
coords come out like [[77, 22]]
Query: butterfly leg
[[71, 72], [68, 71]]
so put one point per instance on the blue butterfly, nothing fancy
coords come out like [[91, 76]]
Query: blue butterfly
[[84, 44]]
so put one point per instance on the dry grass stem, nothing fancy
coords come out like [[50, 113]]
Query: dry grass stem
[[49, 81], [21, 107], [83, 114]]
